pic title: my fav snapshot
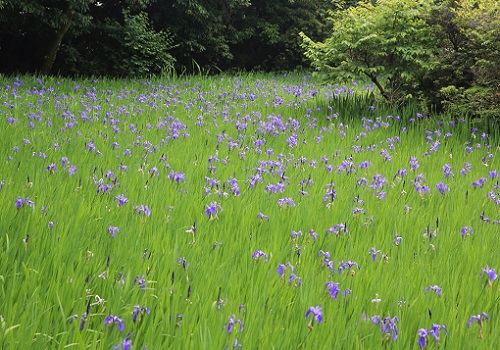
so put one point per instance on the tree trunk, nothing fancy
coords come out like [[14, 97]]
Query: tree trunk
[[379, 86], [53, 46]]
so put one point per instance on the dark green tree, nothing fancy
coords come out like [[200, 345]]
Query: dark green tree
[[467, 79], [120, 41], [268, 35], [202, 29], [33, 30]]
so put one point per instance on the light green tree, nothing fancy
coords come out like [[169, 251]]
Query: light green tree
[[389, 42]]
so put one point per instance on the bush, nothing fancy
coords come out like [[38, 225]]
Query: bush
[[127, 48], [445, 53]]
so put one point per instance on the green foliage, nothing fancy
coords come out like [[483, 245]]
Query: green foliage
[[140, 50], [49, 12], [202, 29], [471, 44], [81, 34], [444, 53], [477, 101], [271, 30], [389, 42], [32, 31], [126, 45]]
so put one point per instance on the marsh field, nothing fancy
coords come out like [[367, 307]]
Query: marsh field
[[251, 211]]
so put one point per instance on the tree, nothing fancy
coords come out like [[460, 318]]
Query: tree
[[445, 52], [478, 22], [120, 41], [203, 30], [241, 34], [271, 29], [389, 43], [34, 29]]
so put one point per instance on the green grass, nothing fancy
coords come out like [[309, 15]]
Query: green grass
[[58, 256]]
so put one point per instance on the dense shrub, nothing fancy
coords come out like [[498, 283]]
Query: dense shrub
[[444, 53]]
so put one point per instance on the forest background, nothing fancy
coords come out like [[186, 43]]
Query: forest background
[[443, 54]]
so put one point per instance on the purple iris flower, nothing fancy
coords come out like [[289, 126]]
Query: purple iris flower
[[211, 209], [113, 230], [478, 318], [435, 288], [122, 167], [333, 289], [114, 320], [121, 199], [19, 202], [345, 292], [375, 320], [83, 320], [337, 229], [434, 331], [72, 169], [357, 210], [51, 168], [413, 163], [286, 202], [389, 326], [492, 275], [153, 172], [179, 177], [262, 216], [397, 239], [479, 182], [423, 334], [347, 265], [364, 165], [373, 251], [330, 265], [258, 254], [281, 269], [447, 171], [313, 235], [230, 325], [467, 168], [422, 337], [126, 345], [442, 188], [435, 146], [142, 209], [330, 193], [316, 312], [24, 201], [325, 254], [466, 231], [294, 277], [138, 310], [141, 281], [29, 202]]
